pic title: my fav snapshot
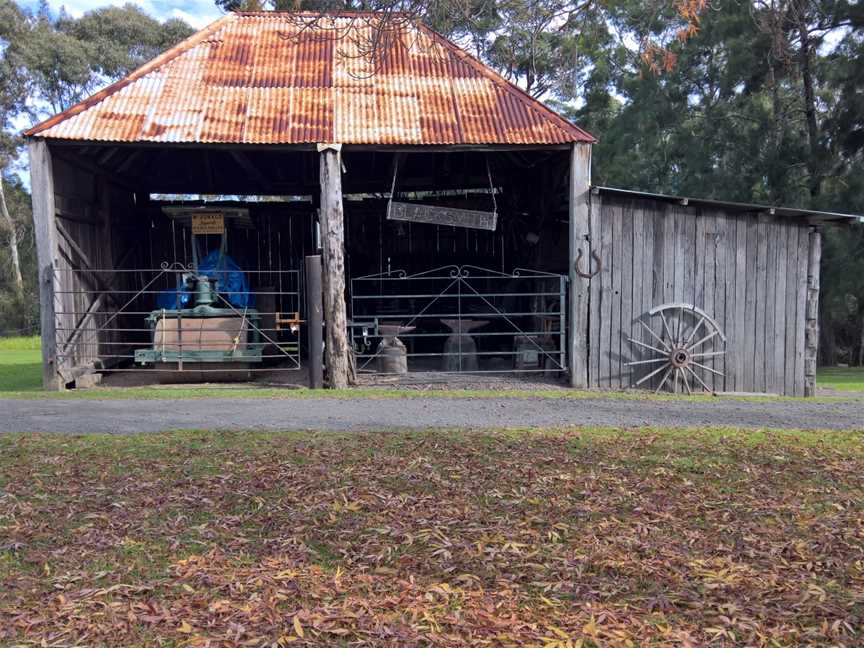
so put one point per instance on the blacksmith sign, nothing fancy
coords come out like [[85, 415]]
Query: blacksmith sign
[[208, 223], [436, 215]]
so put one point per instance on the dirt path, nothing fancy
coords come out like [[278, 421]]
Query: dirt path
[[135, 416]]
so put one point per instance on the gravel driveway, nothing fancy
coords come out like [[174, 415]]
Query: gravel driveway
[[134, 416]]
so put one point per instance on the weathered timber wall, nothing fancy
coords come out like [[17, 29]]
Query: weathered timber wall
[[86, 208], [748, 271]]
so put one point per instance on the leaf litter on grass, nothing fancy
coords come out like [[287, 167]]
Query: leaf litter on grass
[[548, 538]]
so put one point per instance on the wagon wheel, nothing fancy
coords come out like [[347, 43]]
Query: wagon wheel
[[688, 338]]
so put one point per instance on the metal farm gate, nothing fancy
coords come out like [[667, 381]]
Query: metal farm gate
[[459, 319], [110, 319]]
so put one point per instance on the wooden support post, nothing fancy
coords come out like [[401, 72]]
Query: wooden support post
[[42, 188], [336, 351], [314, 321], [811, 332], [580, 234]]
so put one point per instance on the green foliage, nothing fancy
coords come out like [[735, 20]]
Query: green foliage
[[47, 63], [842, 298], [761, 103], [19, 313], [68, 58], [20, 343]]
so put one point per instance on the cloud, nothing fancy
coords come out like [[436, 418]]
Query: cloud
[[198, 21], [198, 13]]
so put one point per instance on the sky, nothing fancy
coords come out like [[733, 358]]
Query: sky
[[197, 13]]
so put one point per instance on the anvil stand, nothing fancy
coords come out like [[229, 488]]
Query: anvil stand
[[392, 355], [460, 349]]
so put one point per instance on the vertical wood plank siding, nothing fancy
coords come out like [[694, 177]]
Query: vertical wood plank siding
[[85, 252], [747, 271]]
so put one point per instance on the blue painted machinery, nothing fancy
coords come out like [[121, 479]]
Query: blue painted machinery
[[207, 320]]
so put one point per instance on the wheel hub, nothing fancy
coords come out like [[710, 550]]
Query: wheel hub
[[679, 357]]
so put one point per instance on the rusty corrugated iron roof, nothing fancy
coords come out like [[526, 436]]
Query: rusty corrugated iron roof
[[284, 78]]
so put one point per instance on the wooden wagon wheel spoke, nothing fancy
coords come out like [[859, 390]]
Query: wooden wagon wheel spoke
[[663, 380], [681, 363], [702, 341], [666, 326], [696, 376], [651, 375], [693, 332], [686, 383], [650, 361], [708, 355], [647, 346], [706, 368], [656, 337]]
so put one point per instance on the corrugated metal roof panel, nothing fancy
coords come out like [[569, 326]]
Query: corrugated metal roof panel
[[280, 78]]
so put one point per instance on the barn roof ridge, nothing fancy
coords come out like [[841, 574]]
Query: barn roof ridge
[[496, 111]]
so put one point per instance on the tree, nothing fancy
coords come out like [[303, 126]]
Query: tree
[[47, 63], [69, 58], [13, 90], [19, 306], [537, 44]]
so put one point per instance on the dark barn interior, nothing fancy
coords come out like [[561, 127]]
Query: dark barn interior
[[124, 211]]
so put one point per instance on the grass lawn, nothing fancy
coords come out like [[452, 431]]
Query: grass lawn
[[20, 365], [841, 378], [21, 377], [547, 538]]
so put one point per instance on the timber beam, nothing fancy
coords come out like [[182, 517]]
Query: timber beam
[[332, 219], [42, 188], [580, 245]]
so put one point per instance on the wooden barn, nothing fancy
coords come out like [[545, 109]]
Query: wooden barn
[[196, 218]]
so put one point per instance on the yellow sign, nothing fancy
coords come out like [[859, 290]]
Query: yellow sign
[[208, 223]]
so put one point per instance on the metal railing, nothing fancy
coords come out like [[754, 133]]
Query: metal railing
[[459, 319], [110, 319]]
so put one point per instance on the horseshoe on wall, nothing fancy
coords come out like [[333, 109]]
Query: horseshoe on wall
[[598, 261]]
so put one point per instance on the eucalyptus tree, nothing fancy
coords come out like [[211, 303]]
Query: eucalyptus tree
[[47, 63]]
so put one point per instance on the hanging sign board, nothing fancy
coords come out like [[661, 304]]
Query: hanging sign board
[[442, 215], [208, 223]]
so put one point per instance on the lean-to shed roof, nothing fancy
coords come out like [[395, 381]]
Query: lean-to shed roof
[[287, 78]]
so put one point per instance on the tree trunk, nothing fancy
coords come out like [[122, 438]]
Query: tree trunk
[[13, 241], [336, 352], [811, 330], [813, 162], [827, 342], [861, 348]]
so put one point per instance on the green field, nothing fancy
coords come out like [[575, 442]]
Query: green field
[[20, 364], [568, 537], [21, 376], [841, 378]]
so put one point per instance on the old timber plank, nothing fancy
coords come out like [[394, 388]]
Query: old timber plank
[[579, 231], [596, 294], [607, 296], [628, 250], [42, 188], [771, 340], [801, 306]]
